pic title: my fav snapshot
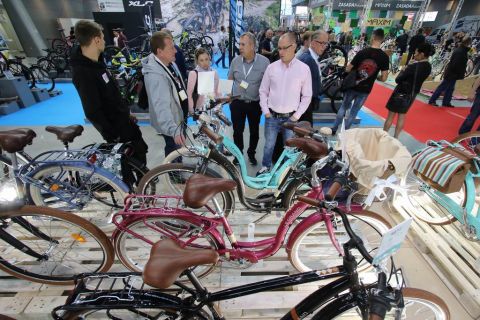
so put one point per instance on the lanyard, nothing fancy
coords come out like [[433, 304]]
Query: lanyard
[[178, 80], [243, 65]]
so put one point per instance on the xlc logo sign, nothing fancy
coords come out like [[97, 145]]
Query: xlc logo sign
[[140, 3], [238, 23]]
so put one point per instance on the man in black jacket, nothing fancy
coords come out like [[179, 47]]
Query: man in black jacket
[[455, 71], [101, 98], [401, 41], [312, 57], [416, 41]]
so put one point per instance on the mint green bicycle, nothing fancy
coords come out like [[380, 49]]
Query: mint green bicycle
[[437, 208]]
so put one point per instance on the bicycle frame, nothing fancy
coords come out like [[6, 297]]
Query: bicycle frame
[[239, 249]]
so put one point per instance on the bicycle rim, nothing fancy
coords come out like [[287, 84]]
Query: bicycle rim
[[81, 246], [134, 252], [419, 305], [42, 79], [424, 207], [468, 140], [171, 179], [313, 249], [94, 194]]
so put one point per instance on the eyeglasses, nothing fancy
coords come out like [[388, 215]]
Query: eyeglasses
[[284, 48], [323, 43]]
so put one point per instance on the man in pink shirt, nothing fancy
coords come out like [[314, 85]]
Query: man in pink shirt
[[285, 93]]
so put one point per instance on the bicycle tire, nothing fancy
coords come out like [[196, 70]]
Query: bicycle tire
[[60, 46], [134, 252], [421, 201], [419, 305], [18, 69], [468, 140], [312, 249], [41, 76], [99, 188], [148, 183], [85, 235]]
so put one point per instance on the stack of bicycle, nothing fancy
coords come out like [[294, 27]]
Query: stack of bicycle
[[185, 203]]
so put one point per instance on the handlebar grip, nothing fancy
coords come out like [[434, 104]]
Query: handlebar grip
[[302, 131], [288, 125], [334, 189], [223, 119], [310, 201], [212, 135]]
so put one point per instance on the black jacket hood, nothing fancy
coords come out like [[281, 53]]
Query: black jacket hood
[[77, 59]]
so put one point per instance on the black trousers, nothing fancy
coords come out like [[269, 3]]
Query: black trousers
[[308, 114], [242, 111]]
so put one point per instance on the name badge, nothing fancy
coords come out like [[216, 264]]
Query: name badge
[[105, 78], [244, 84], [183, 95]]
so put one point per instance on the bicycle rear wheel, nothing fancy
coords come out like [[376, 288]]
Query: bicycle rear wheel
[[75, 187], [68, 244], [313, 249], [419, 305], [134, 252], [20, 70], [42, 78]]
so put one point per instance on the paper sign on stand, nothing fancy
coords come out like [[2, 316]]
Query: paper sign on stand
[[206, 82], [392, 241], [225, 86]]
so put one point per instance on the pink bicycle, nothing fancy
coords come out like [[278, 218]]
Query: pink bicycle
[[147, 219]]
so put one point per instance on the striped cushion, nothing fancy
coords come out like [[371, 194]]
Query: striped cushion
[[437, 165]]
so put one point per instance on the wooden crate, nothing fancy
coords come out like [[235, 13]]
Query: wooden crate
[[455, 259]]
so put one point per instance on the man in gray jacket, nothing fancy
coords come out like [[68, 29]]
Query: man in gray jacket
[[166, 91]]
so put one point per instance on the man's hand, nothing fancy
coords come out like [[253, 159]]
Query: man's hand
[[292, 118], [268, 115], [179, 140], [133, 119]]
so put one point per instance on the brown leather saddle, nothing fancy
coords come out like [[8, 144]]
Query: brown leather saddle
[[312, 148], [168, 260], [16, 140], [200, 189], [66, 134]]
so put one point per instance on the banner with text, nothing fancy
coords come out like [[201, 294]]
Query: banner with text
[[397, 5], [379, 22]]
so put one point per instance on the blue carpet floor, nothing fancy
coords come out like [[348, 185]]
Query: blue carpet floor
[[66, 109]]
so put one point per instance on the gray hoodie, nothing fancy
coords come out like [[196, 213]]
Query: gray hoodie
[[165, 109]]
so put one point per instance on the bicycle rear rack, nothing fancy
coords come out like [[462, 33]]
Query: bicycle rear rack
[[109, 291], [139, 202]]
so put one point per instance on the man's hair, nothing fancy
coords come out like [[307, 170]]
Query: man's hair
[[307, 35], [290, 36], [466, 41], [427, 49], [378, 34], [420, 31], [318, 33], [158, 40], [250, 36], [86, 30], [167, 31]]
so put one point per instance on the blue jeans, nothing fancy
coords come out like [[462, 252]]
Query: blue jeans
[[272, 127], [351, 99], [447, 86], [467, 125]]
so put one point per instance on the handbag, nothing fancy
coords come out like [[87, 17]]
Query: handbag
[[444, 169], [350, 81], [399, 98]]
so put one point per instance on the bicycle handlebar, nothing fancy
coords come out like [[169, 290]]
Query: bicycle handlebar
[[304, 132], [212, 135], [224, 119]]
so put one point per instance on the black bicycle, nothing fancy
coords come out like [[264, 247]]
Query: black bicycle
[[132, 295]]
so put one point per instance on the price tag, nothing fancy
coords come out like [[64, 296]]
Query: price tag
[[392, 241]]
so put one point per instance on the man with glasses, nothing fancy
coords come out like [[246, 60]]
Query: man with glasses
[[285, 93], [312, 58], [246, 71]]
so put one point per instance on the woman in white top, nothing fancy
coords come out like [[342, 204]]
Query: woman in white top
[[202, 61]]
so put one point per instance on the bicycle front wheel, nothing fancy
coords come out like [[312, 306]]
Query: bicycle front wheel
[[419, 305], [134, 252], [422, 199], [42, 78], [73, 188], [468, 140], [313, 249], [68, 245]]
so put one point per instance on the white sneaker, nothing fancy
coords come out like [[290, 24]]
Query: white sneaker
[[263, 170]]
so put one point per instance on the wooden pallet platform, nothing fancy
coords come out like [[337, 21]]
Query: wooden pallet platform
[[455, 259], [22, 299]]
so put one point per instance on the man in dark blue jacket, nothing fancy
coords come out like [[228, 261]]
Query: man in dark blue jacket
[[312, 58]]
